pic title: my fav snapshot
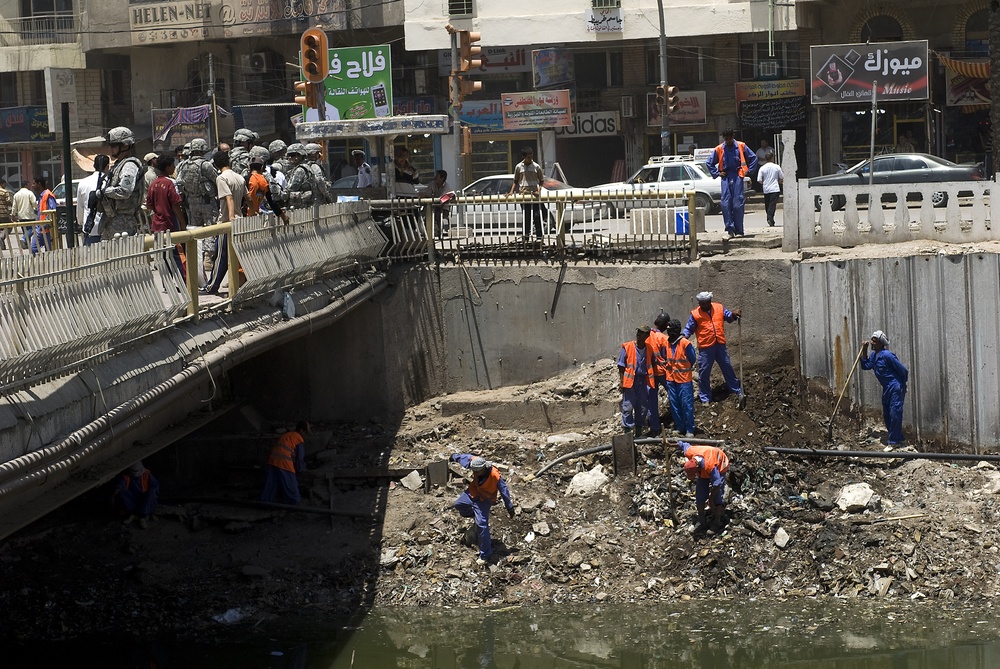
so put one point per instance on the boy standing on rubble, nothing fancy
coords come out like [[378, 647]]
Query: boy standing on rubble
[[485, 486]]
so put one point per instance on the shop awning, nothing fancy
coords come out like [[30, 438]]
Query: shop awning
[[976, 69]]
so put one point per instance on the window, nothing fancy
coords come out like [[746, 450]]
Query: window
[[8, 89], [909, 163], [673, 173], [36, 88], [10, 168], [786, 59], [616, 69], [686, 67], [460, 7], [881, 29], [591, 70], [977, 34]]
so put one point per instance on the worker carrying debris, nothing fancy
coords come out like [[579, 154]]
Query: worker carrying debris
[[287, 459], [475, 502], [636, 367], [707, 467], [893, 376], [135, 495], [708, 324]]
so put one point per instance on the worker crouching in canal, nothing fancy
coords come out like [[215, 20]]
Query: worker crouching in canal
[[484, 488], [707, 467]]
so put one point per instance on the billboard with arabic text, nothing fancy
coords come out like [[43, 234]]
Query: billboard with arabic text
[[359, 84], [536, 109], [847, 73]]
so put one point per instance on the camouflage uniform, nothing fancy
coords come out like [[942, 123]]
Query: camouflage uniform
[[239, 155], [121, 199], [324, 189], [301, 187]]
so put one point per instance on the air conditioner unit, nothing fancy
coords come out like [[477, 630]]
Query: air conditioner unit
[[628, 106], [258, 62]]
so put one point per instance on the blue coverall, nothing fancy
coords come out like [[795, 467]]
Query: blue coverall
[[653, 401], [733, 197], [635, 400], [681, 396], [708, 356], [480, 508], [278, 480], [893, 376], [133, 499]]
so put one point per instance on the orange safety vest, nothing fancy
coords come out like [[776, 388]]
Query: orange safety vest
[[257, 186], [743, 171], [710, 328], [658, 344], [629, 377], [283, 452], [143, 480], [714, 458], [488, 489], [677, 365], [43, 203]]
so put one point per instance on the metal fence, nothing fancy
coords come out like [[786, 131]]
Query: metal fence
[[39, 29], [656, 227]]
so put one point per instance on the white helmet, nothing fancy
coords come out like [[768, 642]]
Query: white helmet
[[121, 135]]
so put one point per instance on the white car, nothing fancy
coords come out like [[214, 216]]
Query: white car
[[494, 210], [670, 173]]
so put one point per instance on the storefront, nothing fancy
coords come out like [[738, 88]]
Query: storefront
[[767, 107], [688, 125], [27, 149], [588, 150]]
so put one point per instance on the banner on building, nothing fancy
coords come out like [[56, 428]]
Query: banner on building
[[25, 124], [774, 114], [482, 117], [769, 90], [408, 105], [605, 20], [847, 73], [591, 124], [965, 81], [532, 110], [359, 84], [691, 110], [552, 68], [494, 60], [171, 131]]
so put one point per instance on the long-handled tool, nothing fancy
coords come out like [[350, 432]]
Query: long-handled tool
[[741, 401], [668, 456], [829, 429]]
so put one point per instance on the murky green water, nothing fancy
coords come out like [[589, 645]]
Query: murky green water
[[748, 635]]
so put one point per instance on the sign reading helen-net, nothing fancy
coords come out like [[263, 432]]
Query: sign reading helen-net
[[847, 73]]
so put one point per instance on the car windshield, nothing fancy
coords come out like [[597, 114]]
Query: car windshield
[[646, 175], [702, 170], [59, 191]]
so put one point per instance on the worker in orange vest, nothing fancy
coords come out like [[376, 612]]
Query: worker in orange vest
[[656, 344], [287, 459], [636, 380], [707, 467], [484, 488], [732, 160], [135, 494], [679, 359], [708, 324]]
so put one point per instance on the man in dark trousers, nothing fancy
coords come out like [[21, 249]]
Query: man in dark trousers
[[135, 495], [893, 376], [708, 323], [636, 378], [287, 460], [484, 488]]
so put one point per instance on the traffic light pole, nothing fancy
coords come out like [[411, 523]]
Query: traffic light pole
[[456, 122], [665, 110]]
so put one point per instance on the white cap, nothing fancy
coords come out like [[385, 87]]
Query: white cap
[[704, 296], [880, 336]]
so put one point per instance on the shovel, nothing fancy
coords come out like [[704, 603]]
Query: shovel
[[829, 429], [741, 401]]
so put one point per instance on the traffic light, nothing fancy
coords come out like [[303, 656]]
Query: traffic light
[[315, 64], [468, 51], [673, 100], [309, 96], [661, 96], [466, 140]]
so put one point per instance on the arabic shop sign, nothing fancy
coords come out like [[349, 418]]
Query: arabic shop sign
[[605, 20], [691, 109], [359, 84], [25, 124], [845, 73], [770, 90], [965, 91], [169, 22], [494, 59], [532, 110], [552, 67]]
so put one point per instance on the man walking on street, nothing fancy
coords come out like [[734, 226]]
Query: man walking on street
[[484, 488], [893, 376], [636, 380], [708, 323], [25, 204], [771, 179], [232, 189], [732, 160]]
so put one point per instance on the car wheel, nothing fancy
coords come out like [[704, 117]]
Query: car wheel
[[702, 201], [939, 198], [838, 202]]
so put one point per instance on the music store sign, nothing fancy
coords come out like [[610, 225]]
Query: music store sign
[[847, 73]]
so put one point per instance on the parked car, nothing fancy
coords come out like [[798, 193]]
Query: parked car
[[900, 168], [503, 213], [670, 173]]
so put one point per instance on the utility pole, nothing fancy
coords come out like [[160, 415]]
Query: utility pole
[[211, 93], [454, 84], [871, 148], [664, 110]]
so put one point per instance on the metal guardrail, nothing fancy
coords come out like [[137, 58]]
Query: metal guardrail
[[39, 29], [657, 227]]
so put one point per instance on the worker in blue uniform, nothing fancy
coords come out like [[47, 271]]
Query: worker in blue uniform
[[135, 495], [485, 486], [732, 160], [893, 376]]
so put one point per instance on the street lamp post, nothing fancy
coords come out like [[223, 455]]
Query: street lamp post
[[664, 111]]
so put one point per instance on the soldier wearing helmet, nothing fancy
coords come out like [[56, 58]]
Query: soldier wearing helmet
[[301, 181], [323, 185], [121, 199], [243, 140], [196, 182], [484, 489]]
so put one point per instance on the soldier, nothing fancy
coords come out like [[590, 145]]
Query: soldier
[[323, 186], [122, 197], [301, 185], [277, 149], [244, 139], [196, 184]]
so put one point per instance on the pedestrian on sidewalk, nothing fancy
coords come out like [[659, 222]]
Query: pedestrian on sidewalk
[[708, 323], [771, 179], [636, 380], [484, 488], [135, 495], [732, 160], [286, 461], [707, 467], [679, 362], [893, 376]]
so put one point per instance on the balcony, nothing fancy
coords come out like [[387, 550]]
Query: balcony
[[39, 29]]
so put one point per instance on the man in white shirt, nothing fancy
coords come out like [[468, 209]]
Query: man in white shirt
[[88, 185], [771, 179], [365, 177]]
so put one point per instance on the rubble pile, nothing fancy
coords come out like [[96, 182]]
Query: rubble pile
[[889, 530]]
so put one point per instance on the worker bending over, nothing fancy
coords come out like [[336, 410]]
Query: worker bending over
[[707, 467], [485, 486], [893, 376], [135, 495]]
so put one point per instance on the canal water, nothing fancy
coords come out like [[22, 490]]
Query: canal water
[[746, 635]]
